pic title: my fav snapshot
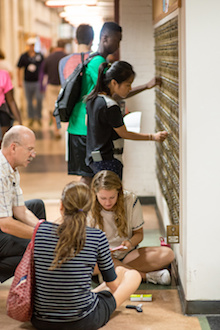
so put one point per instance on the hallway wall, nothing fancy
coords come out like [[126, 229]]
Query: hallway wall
[[137, 47], [197, 253], [200, 176]]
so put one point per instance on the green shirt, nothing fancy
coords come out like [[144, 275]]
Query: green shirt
[[77, 124]]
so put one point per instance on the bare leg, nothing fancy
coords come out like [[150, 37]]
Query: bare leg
[[128, 282], [147, 259]]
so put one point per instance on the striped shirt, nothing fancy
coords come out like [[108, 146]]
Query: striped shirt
[[64, 294], [10, 192]]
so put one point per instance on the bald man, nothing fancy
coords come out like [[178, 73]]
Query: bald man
[[17, 219]]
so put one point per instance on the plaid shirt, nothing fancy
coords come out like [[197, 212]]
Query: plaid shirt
[[10, 192]]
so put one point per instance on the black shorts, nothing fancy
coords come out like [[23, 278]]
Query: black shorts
[[5, 119], [95, 320], [77, 155]]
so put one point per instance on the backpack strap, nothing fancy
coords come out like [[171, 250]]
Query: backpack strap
[[35, 231], [82, 57], [84, 63]]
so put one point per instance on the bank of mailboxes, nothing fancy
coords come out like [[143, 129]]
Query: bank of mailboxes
[[167, 113]]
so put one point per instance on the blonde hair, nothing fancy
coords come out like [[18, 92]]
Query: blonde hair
[[108, 180], [76, 200]]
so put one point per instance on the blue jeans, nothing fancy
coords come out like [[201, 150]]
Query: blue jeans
[[32, 90]]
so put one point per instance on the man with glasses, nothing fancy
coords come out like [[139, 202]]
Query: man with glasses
[[17, 219]]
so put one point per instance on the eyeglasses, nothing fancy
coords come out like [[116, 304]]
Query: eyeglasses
[[29, 149]]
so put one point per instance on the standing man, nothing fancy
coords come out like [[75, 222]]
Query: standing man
[[84, 39], [17, 220], [50, 68], [31, 62]]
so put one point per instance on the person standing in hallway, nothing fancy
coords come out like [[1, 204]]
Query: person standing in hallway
[[65, 254], [110, 38], [31, 62], [17, 219], [105, 120], [84, 39], [50, 69], [118, 213], [8, 107]]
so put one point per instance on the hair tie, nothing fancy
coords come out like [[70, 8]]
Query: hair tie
[[80, 210]]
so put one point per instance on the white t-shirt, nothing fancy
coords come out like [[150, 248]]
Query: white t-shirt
[[134, 218]]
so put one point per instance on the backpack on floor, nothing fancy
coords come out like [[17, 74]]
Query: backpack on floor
[[70, 92]]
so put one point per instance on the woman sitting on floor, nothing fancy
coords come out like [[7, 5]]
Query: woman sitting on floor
[[119, 214], [65, 254]]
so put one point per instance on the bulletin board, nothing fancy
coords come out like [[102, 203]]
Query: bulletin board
[[167, 113]]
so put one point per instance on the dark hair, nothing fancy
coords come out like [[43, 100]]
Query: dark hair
[[120, 71], [84, 34], [110, 27], [61, 43]]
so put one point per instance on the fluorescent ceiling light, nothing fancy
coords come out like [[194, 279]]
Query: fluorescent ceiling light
[[62, 3]]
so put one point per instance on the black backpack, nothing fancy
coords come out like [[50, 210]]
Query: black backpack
[[70, 92]]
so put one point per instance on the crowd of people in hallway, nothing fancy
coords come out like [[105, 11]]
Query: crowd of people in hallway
[[100, 225]]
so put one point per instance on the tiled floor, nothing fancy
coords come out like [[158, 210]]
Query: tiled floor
[[45, 178]]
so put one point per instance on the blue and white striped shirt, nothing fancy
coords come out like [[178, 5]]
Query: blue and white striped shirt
[[64, 294]]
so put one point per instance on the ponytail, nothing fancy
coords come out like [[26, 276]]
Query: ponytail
[[120, 71], [101, 85], [76, 201]]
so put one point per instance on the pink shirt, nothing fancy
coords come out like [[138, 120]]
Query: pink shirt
[[5, 85]]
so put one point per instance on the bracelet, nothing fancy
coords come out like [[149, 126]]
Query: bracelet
[[150, 137]]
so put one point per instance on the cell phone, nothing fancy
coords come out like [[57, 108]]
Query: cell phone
[[118, 248], [96, 156]]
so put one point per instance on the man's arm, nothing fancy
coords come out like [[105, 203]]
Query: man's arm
[[136, 90], [23, 227], [152, 83], [14, 227], [23, 214]]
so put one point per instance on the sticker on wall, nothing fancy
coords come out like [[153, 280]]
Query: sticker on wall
[[165, 6], [172, 234]]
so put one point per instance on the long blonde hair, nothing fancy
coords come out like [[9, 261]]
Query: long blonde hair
[[76, 200], [108, 180]]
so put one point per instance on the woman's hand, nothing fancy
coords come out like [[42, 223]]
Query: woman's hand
[[160, 136], [128, 244]]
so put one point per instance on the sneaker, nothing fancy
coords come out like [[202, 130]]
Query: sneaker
[[159, 277]]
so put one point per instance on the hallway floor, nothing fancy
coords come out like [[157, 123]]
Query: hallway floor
[[45, 178]]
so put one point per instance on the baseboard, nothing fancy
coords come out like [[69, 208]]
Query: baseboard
[[147, 200], [192, 307]]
